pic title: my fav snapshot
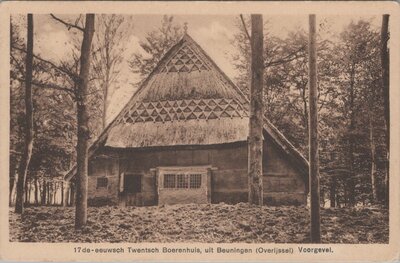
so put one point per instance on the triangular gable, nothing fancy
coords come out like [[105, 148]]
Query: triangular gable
[[187, 57]]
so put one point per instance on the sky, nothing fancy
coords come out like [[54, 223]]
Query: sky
[[214, 33]]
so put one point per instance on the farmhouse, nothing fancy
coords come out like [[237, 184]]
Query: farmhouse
[[182, 138]]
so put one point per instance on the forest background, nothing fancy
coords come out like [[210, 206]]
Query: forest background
[[353, 152]]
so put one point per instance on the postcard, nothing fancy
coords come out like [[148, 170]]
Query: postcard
[[199, 131]]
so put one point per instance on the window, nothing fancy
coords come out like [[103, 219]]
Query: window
[[182, 181], [102, 182], [169, 181], [195, 180], [133, 183]]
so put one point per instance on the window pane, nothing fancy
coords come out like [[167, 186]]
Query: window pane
[[195, 180], [182, 181], [169, 181]]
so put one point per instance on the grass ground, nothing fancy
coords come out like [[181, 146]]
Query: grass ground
[[211, 223]]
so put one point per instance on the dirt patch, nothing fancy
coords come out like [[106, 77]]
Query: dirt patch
[[216, 223]]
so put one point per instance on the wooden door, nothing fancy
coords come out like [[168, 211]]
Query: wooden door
[[133, 189]]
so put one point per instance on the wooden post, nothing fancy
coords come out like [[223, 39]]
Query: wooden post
[[26, 156], [256, 113], [83, 125], [313, 132]]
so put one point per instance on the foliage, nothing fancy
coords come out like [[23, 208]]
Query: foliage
[[156, 45], [348, 67], [54, 109], [206, 223], [52, 125]]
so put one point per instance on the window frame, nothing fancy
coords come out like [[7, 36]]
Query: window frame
[[185, 178]]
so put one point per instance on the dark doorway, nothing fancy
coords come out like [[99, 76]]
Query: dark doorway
[[133, 183], [133, 189]]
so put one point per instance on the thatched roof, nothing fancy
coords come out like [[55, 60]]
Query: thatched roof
[[186, 100], [189, 132]]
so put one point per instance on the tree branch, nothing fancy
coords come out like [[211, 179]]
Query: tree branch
[[20, 68], [290, 57], [67, 72], [245, 28], [68, 25], [53, 86], [49, 85], [15, 152]]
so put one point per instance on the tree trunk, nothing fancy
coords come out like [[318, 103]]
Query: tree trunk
[[351, 180], [83, 128], [36, 192], [43, 197], [73, 195], [66, 194], [105, 98], [313, 133], [27, 192], [41, 185], [373, 161], [322, 197], [256, 112], [55, 193], [62, 194], [305, 110], [48, 190], [13, 183], [385, 81], [51, 192], [27, 153], [332, 194]]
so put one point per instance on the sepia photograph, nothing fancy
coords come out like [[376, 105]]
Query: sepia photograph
[[241, 128]]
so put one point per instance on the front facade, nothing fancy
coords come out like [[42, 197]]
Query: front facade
[[182, 138]]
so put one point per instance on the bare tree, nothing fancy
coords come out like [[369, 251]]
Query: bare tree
[[108, 53], [385, 82], [256, 112], [373, 159], [80, 86], [83, 128], [27, 153], [313, 132]]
